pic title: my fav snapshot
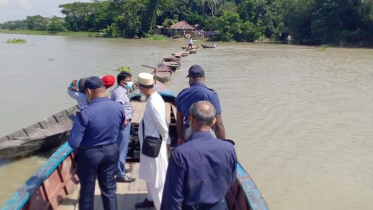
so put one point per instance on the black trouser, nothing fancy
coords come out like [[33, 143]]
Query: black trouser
[[100, 162], [222, 205]]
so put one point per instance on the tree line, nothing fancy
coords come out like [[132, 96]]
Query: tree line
[[305, 21]]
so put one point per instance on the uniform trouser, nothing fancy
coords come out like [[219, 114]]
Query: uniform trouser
[[154, 194], [122, 142], [222, 205], [100, 162]]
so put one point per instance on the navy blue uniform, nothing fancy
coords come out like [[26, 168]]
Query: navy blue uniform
[[94, 133], [196, 92], [200, 173]]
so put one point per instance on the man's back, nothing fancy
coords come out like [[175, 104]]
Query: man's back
[[209, 168], [103, 119], [196, 92]]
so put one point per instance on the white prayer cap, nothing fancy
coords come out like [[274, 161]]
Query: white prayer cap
[[145, 79]]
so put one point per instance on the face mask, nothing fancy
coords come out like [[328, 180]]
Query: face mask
[[129, 85]]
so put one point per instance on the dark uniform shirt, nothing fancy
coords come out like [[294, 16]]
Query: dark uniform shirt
[[97, 124], [196, 92], [200, 171]]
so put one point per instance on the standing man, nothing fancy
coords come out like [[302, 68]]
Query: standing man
[[202, 170], [153, 170], [76, 89], [197, 92], [190, 46], [120, 94], [94, 133]]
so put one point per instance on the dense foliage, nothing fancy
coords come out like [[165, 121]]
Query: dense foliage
[[306, 21]]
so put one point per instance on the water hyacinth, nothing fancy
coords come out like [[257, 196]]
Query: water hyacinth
[[124, 68], [16, 41]]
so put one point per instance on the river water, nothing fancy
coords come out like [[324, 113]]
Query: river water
[[301, 117]]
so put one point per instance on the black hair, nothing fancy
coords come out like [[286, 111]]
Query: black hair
[[122, 76]]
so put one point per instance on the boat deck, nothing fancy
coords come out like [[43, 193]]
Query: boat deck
[[128, 194]]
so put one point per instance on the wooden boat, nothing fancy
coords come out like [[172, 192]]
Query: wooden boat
[[184, 54], [43, 135], [193, 47], [46, 134], [171, 63], [162, 74], [206, 46], [56, 185], [176, 56], [194, 51]]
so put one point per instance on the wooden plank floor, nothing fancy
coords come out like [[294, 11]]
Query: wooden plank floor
[[128, 194]]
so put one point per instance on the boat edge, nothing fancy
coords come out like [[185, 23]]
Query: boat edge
[[252, 193], [23, 194]]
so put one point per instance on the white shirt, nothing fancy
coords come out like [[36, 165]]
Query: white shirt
[[154, 169]]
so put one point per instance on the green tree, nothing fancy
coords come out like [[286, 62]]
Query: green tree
[[56, 24], [37, 23]]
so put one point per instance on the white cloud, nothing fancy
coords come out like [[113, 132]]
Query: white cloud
[[4, 2], [19, 9], [25, 4]]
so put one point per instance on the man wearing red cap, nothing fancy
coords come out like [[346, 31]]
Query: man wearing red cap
[[76, 89]]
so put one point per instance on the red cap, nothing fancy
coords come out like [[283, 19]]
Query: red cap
[[108, 80]]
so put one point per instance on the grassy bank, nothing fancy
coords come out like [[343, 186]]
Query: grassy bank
[[66, 33]]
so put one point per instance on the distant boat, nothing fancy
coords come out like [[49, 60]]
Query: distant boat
[[193, 47], [184, 54], [171, 63], [56, 184], [193, 51], [207, 46], [162, 74], [176, 56]]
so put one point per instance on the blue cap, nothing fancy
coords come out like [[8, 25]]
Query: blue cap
[[195, 71], [93, 83]]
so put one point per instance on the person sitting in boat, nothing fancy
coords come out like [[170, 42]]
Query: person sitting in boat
[[95, 133], [213, 45], [190, 45], [76, 89], [202, 170], [197, 92]]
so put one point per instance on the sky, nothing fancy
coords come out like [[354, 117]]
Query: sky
[[20, 9]]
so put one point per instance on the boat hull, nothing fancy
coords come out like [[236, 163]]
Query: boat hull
[[206, 46], [192, 51], [193, 47], [44, 135]]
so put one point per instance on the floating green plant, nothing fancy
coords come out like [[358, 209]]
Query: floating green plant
[[50, 59], [124, 68], [16, 41]]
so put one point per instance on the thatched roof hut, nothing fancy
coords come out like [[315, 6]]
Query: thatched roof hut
[[180, 28]]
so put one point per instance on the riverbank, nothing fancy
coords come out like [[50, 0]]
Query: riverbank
[[65, 33]]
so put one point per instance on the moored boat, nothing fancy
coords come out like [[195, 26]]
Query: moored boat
[[176, 56], [162, 74], [194, 51], [207, 46], [193, 47], [55, 185], [171, 63], [46, 134], [184, 54]]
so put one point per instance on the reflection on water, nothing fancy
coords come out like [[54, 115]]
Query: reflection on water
[[302, 119]]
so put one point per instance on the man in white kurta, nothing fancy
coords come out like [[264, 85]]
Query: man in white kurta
[[153, 170]]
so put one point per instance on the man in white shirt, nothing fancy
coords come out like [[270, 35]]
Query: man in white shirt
[[153, 170], [190, 45]]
